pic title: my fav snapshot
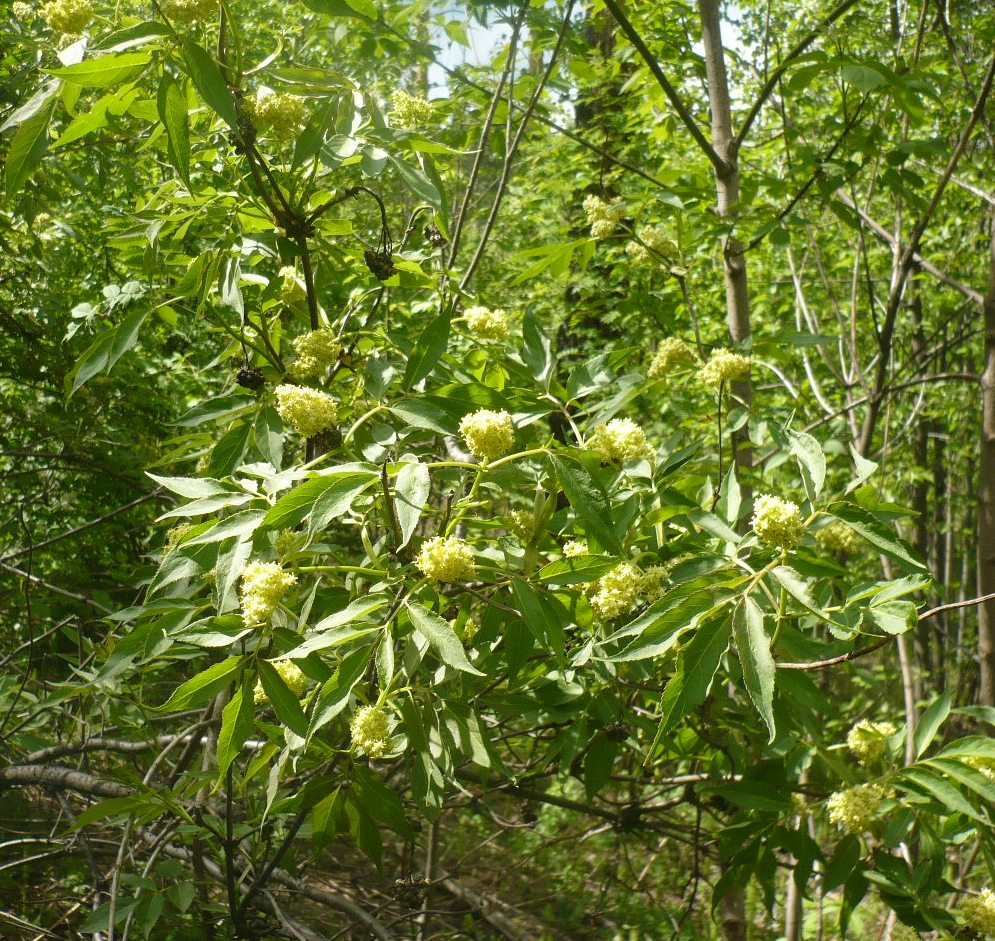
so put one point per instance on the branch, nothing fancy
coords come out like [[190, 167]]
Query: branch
[[54, 588], [66, 778], [721, 166], [775, 76]]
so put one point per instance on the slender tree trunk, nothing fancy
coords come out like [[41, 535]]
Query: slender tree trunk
[[986, 497], [727, 191]]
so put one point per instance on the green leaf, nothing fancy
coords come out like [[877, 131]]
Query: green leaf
[[206, 77], [171, 103], [285, 704], [336, 491], [536, 349], [229, 451], [238, 524], [354, 611], [429, 349], [411, 489], [589, 501], [918, 780], [417, 181], [334, 694], [696, 667], [808, 452], [203, 687], [104, 71], [194, 488], [730, 498], [878, 534], [893, 617], [598, 763], [363, 9], [236, 725], [930, 722], [863, 467], [379, 801], [268, 435], [755, 657], [106, 350], [796, 586], [26, 149], [577, 570], [442, 638], [539, 616]]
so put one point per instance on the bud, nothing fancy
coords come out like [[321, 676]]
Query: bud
[[316, 351], [182, 12], [603, 216], [838, 537], [278, 113], [616, 593]]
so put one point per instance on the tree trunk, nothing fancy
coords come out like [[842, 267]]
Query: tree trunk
[[986, 497], [727, 192]]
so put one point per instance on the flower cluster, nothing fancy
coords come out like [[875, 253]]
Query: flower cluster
[[652, 587], [900, 932], [188, 11], [308, 410], [263, 585], [985, 765], [176, 535], [521, 524], [978, 911], [855, 808], [316, 351], [603, 216], [410, 110], [574, 548], [292, 291], [616, 593], [838, 537], [67, 16], [279, 113], [777, 522], [653, 244], [488, 434], [723, 367], [621, 440], [23, 12], [446, 559], [670, 353], [293, 678], [370, 729], [486, 324], [869, 740], [470, 630]]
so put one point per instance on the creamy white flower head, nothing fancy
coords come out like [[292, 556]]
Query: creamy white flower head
[[671, 352], [486, 324], [316, 351], [723, 367], [900, 932], [488, 435], [838, 537], [23, 12], [67, 16], [279, 114], [621, 440], [777, 522], [978, 911], [293, 678], [616, 593], [263, 585], [446, 559], [603, 216], [309, 411], [520, 523], [470, 629], [574, 548], [370, 729], [410, 110], [855, 809], [869, 740], [181, 12]]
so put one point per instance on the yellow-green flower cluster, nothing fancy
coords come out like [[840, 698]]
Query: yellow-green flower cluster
[[854, 809], [838, 537], [621, 440], [488, 435], [486, 324], [869, 740], [285, 542], [446, 559], [520, 523], [978, 911], [670, 353], [574, 548], [653, 586], [316, 351], [370, 728], [410, 110], [723, 367], [188, 11], [900, 932], [292, 291], [293, 678], [175, 536], [470, 630], [777, 522], [278, 113], [616, 593], [985, 765], [23, 12], [309, 411], [263, 585], [653, 245], [603, 216], [67, 16]]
